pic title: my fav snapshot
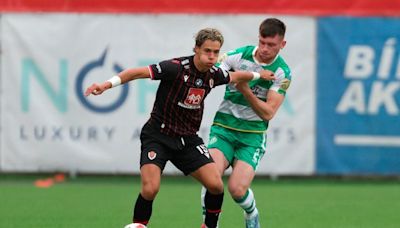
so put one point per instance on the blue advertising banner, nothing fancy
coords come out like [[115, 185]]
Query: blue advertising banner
[[358, 96]]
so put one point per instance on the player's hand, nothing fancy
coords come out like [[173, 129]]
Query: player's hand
[[97, 89], [267, 75]]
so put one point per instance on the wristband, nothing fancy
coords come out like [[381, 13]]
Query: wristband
[[115, 81], [255, 76]]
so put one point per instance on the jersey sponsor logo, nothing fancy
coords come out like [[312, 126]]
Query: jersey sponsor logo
[[243, 67], [259, 91], [151, 155], [193, 99], [185, 77]]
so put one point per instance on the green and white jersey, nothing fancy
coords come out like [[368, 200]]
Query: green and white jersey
[[235, 112]]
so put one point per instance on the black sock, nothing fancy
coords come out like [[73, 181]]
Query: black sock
[[213, 204], [142, 211]]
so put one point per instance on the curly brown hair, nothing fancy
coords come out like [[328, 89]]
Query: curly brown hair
[[208, 34]]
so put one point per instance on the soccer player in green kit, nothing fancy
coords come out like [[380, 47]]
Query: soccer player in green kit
[[238, 134]]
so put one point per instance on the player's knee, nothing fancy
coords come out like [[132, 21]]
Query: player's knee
[[217, 187], [150, 190], [237, 191]]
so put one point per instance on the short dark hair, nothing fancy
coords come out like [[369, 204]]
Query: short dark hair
[[208, 34], [271, 27]]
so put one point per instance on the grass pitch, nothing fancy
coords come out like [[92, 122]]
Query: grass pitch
[[107, 202]]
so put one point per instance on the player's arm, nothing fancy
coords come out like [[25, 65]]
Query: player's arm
[[123, 77], [245, 76], [264, 109], [231, 61]]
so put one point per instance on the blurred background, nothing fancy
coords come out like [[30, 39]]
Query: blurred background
[[333, 146]]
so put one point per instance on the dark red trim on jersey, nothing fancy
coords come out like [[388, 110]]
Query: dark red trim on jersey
[[151, 73], [176, 61], [174, 92], [287, 7]]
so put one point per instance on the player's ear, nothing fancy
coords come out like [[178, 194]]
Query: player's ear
[[196, 49], [283, 44]]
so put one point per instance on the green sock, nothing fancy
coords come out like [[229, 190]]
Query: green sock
[[248, 203]]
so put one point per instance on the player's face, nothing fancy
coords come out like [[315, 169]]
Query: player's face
[[207, 54], [269, 47]]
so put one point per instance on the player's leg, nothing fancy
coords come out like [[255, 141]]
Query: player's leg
[[218, 142], [209, 176], [220, 160], [243, 172], [194, 159], [220, 147], [150, 180], [153, 158], [222, 164], [239, 187]]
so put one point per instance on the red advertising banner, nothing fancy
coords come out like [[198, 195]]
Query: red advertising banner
[[288, 7]]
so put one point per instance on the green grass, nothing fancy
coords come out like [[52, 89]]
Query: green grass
[[107, 202]]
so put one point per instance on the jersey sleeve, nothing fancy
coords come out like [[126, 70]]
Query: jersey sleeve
[[165, 70], [229, 60], [221, 77], [282, 82]]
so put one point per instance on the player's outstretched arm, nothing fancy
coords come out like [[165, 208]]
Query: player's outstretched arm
[[245, 76], [123, 77]]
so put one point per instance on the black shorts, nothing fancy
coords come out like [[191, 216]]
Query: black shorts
[[187, 153]]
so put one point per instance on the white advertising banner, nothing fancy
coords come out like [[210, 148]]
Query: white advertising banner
[[48, 60]]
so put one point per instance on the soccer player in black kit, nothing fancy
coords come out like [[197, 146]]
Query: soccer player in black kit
[[171, 132]]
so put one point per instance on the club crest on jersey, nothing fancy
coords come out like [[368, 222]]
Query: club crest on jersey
[[193, 99], [198, 82], [211, 82], [285, 84], [151, 155]]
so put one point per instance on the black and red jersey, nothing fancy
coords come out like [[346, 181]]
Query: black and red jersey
[[178, 108]]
